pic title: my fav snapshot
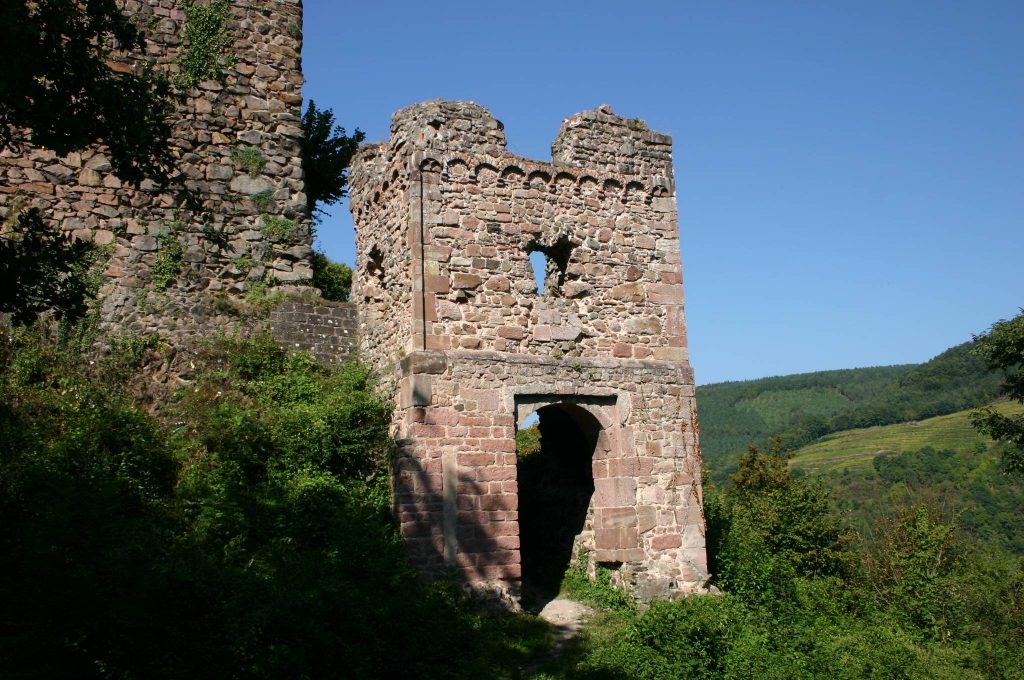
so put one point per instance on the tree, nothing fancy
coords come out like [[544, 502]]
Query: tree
[[42, 268], [1003, 348], [326, 154], [334, 279], [758, 473], [61, 89], [58, 88], [768, 528]]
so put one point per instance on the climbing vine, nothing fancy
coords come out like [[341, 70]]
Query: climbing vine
[[205, 40]]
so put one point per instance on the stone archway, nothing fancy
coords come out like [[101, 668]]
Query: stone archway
[[556, 490]]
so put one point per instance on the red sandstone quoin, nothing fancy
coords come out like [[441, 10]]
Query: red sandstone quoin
[[446, 220]]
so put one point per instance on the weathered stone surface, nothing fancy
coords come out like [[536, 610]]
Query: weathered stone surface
[[210, 125], [446, 291], [446, 307], [244, 184], [326, 330]]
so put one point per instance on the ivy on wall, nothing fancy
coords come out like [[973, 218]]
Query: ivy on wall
[[205, 41]]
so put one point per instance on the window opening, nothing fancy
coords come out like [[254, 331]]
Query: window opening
[[539, 263], [549, 264], [374, 273]]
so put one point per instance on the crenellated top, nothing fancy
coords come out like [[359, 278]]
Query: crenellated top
[[449, 135], [597, 155], [462, 244], [441, 126]]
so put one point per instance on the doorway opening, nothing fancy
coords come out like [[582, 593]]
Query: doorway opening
[[556, 482]]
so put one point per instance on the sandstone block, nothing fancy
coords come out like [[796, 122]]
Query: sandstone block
[[646, 325], [466, 281], [244, 184], [615, 492], [610, 518], [665, 293], [566, 332], [498, 283], [617, 538], [666, 542], [628, 292]]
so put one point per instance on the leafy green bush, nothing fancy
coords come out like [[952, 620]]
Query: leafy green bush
[[250, 158], [797, 604], [527, 442], [206, 40], [770, 528], [43, 268], [688, 639], [598, 591], [246, 532], [168, 262], [278, 227]]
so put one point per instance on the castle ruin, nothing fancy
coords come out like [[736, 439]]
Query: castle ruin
[[446, 222], [449, 312]]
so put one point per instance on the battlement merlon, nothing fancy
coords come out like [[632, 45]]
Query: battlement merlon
[[601, 139]]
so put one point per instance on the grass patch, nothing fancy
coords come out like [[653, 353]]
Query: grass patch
[[598, 591], [251, 159], [278, 228], [856, 449]]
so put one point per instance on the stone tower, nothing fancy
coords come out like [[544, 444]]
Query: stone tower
[[447, 221]]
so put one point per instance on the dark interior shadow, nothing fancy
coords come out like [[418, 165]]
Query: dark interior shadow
[[555, 487]]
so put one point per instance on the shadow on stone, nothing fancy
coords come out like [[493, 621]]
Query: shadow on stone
[[555, 488]]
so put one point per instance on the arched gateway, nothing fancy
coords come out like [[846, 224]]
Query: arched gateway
[[446, 222]]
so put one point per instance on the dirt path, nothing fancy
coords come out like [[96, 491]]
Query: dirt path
[[567, 617]]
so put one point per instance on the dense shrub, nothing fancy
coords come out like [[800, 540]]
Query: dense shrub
[[798, 604], [245, 533]]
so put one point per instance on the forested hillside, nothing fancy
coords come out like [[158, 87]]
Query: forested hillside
[[801, 408], [941, 462]]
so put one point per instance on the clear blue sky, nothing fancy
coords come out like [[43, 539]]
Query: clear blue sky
[[850, 175]]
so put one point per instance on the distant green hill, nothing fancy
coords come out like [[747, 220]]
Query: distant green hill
[[803, 408], [941, 461], [858, 448]]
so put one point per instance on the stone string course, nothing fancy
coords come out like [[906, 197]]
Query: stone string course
[[257, 104], [446, 219]]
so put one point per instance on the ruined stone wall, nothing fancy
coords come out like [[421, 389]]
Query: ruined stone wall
[[167, 264], [599, 139], [446, 219], [382, 281], [327, 330], [611, 239]]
